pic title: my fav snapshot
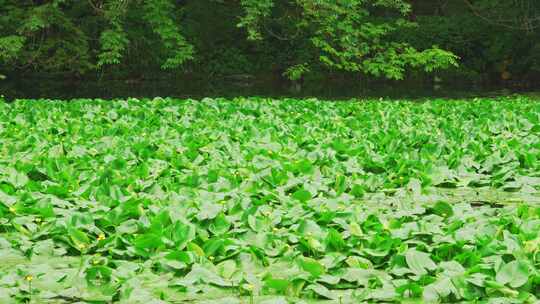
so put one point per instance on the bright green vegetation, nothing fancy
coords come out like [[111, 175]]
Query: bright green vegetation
[[269, 201]]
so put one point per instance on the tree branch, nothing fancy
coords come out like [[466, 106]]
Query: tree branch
[[525, 26], [97, 9]]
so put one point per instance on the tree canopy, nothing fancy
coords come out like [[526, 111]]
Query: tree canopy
[[380, 38]]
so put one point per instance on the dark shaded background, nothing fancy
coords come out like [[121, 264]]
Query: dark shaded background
[[495, 58]]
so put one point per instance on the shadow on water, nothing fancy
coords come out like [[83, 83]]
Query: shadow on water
[[198, 88]]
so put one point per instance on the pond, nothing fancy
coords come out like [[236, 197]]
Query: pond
[[235, 86]]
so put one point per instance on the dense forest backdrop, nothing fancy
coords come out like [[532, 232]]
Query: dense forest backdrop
[[299, 43]]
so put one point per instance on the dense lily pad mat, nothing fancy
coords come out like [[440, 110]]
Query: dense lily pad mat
[[267, 201]]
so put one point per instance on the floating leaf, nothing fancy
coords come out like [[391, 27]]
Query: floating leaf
[[302, 195], [515, 274], [312, 266], [279, 285], [419, 262]]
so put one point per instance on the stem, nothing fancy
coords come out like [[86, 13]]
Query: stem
[[30, 291], [81, 262], [80, 265]]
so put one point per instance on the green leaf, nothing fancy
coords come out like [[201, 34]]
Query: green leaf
[[335, 241], [515, 274], [312, 266], [208, 211], [196, 249], [79, 238], [227, 268], [202, 274], [419, 262], [16, 178], [182, 234], [220, 225], [98, 275], [147, 241], [322, 291], [443, 209], [355, 229], [415, 186], [6, 199], [128, 227], [280, 285], [439, 290], [302, 195]]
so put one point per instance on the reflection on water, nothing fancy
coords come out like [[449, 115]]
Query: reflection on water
[[190, 88]]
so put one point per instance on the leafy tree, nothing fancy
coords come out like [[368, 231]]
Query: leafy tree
[[79, 36], [351, 35], [381, 38], [61, 34]]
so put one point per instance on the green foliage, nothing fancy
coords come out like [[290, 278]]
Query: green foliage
[[267, 201], [351, 39], [10, 46], [157, 14], [296, 39], [80, 36], [46, 37], [237, 62], [255, 13], [61, 35], [113, 43], [297, 71]]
